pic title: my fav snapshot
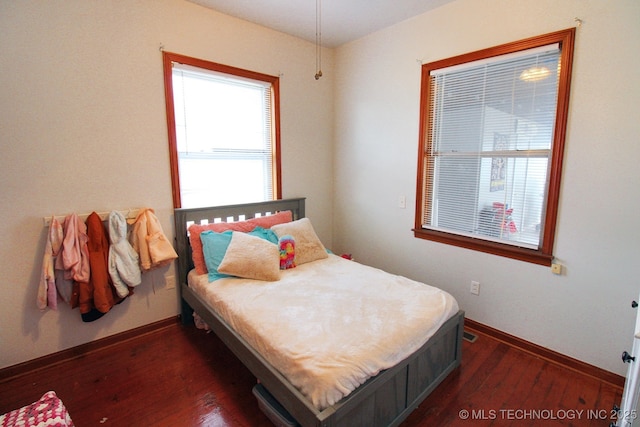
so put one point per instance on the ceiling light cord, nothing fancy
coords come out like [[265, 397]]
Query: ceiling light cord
[[318, 39]]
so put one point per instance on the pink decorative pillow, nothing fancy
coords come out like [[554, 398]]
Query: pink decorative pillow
[[244, 226]]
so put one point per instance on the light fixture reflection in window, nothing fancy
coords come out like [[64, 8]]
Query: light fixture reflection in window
[[534, 74]]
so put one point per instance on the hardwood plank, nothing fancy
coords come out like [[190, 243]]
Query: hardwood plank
[[177, 376], [545, 353], [501, 385], [181, 376]]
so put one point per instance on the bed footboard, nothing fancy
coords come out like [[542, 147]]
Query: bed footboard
[[389, 398]]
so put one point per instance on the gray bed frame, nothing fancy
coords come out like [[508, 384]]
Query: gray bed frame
[[384, 400]]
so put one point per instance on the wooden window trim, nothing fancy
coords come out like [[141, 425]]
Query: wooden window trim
[[167, 59], [543, 255]]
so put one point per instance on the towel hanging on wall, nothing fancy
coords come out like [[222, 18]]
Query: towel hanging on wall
[[148, 239], [47, 296], [124, 262], [97, 296], [74, 256]]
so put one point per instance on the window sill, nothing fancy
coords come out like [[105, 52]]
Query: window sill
[[508, 251]]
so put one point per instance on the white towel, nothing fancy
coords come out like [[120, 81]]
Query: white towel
[[124, 264]]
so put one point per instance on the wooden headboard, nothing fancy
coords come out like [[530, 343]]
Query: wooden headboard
[[185, 217]]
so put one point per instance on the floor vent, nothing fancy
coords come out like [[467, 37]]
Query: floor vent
[[469, 336]]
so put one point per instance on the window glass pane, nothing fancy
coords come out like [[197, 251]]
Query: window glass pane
[[219, 113], [212, 182], [223, 137], [501, 198]]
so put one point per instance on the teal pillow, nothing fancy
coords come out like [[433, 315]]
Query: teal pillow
[[214, 248], [265, 233]]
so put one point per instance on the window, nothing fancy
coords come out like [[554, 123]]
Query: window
[[492, 129], [223, 125]]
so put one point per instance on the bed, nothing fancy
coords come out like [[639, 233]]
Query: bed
[[385, 398]]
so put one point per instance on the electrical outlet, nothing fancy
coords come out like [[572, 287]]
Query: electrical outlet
[[402, 202], [475, 287], [170, 282]]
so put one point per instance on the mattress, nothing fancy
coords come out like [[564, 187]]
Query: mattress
[[331, 324]]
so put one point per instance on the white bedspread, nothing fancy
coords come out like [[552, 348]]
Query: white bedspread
[[331, 324]]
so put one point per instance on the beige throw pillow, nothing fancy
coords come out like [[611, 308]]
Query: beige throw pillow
[[308, 245], [251, 257]]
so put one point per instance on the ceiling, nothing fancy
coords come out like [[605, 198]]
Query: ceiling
[[342, 21]]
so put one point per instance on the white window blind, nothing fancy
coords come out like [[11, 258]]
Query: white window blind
[[489, 146], [224, 137]]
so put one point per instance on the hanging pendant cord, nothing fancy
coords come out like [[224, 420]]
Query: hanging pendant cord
[[318, 39]]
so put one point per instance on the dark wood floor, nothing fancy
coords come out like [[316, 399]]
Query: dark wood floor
[[181, 376]]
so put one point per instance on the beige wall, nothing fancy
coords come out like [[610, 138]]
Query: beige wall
[[585, 313], [83, 128]]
